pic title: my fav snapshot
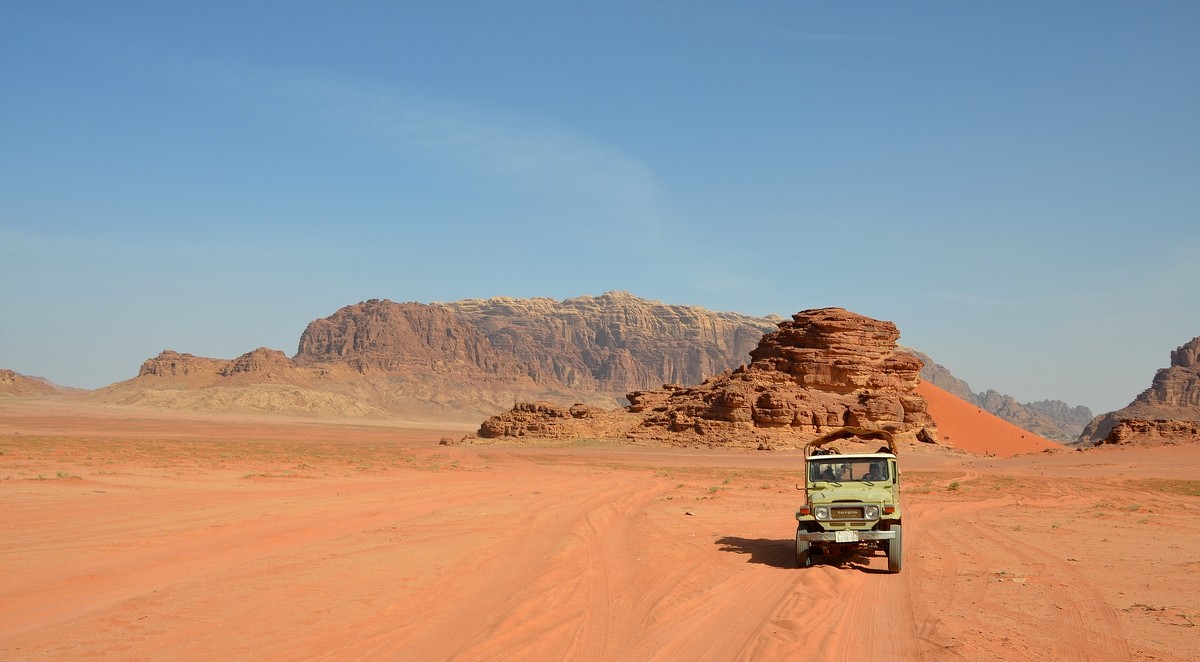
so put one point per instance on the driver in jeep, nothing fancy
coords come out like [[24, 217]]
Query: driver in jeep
[[876, 472]]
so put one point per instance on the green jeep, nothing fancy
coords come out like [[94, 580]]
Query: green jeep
[[851, 501]]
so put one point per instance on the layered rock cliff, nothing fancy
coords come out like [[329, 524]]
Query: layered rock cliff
[[824, 369], [615, 342], [457, 360], [1168, 410], [484, 354]]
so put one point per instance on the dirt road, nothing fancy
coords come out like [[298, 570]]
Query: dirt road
[[138, 539]]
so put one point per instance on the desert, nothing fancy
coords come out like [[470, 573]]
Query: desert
[[594, 331], [140, 534]]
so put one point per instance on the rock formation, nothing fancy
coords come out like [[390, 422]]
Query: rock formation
[[483, 355], [172, 365], [262, 364], [384, 336], [462, 359], [1052, 419], [545, 420], [616, 342], [1152, 433], [264, 380], [476, 357], [824, 369], [1165, 411], [15, 385]]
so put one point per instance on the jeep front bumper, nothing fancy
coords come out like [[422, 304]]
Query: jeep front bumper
[[845, 536]]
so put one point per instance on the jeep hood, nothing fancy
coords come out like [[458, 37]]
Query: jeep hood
[[866, 494]]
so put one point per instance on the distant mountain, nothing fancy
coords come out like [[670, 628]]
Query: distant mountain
[[463, 358], [261, 381], [1052, 419], [1167, 411], [15, 385], [474, 357]]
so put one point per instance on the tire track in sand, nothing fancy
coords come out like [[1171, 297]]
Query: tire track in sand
[[985, 592], [543, 600]]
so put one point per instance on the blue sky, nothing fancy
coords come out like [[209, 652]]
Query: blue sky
[[1016, 185]]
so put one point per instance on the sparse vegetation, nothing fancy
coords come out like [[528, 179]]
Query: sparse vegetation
[[1183, 487], [589, 442]]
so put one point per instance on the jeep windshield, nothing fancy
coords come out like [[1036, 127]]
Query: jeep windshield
[[834, 469]]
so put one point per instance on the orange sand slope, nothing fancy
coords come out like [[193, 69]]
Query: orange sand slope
[[965, 426]]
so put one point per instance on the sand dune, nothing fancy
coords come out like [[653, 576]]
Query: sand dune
[[965, 426], [141, 537]]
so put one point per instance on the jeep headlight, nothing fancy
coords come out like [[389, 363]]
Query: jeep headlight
[[871, 512], [821, 512]]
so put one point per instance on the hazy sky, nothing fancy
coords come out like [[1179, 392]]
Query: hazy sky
[[1015, 184]]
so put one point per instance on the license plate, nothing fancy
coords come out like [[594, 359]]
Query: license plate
[[845, 536]]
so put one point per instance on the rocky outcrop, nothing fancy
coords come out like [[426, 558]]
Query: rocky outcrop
[[15, 385], [1143, 432], [170, 364], [823, 370], [270, 364], [1166, 410], [261, 381], [1179, 385], [1052, 419], [262, 364], [545, 420]]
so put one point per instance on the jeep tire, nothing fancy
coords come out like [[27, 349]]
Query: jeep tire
[[894, 549], [803, 550]]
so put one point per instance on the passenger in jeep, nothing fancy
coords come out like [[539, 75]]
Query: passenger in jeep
[[876, 472]]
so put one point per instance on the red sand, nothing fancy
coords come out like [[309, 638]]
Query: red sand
[[964, 426], [157, 537]]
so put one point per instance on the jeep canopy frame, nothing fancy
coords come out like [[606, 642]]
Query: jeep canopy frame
[[848, 433]]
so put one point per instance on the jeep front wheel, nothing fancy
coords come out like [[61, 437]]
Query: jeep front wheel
[[893, 549], [803, 550]]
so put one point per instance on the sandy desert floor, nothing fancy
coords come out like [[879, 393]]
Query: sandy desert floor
[[147, 536]]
